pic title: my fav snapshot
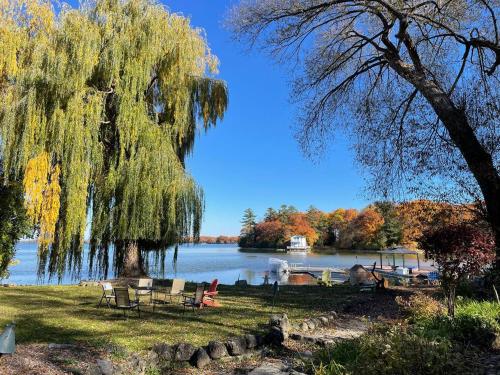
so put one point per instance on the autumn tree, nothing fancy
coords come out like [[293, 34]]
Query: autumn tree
[[366, 229], [99, 107], [415, 81], [461, 251], [270, 234], [300, 225]]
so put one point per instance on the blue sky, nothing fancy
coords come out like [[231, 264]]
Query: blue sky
[[252, 158]]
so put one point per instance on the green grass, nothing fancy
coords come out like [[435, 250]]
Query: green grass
[[66, 314]]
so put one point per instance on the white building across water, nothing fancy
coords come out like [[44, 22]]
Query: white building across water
[[298, 243]]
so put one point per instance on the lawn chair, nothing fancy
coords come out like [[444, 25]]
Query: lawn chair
[[177, 288], [196, 301], [107, 293], [123, 302], [144, 283]]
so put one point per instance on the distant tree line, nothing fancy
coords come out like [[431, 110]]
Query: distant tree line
[[377, 226], [219, 239]]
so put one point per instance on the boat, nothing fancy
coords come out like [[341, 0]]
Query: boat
[[278, 266]]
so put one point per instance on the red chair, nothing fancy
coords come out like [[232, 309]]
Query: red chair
[[209, 295]]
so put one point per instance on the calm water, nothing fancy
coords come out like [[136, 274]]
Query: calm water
[[205, 262]]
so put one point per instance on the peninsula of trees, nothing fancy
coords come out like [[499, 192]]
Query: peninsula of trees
[[379, 225]]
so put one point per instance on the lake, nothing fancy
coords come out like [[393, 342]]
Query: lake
[[204, 262]]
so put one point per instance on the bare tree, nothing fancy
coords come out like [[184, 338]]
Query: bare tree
[[415, 81]]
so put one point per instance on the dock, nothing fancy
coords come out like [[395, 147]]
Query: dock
[[300, 268]]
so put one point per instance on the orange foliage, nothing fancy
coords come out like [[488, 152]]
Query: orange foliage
[[367, 225], [420, 215], [299, 225]]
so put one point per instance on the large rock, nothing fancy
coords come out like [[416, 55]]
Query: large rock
[[281, 322], [165, 352], [184, 352], [236, 346], [200, 358], [216, 350], [251, 341], [105, 367], [137, 364], [274, 337]]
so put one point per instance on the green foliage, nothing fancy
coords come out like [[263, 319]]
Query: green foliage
[[113, 93], [475, 323], [13, 224], [386, 351]]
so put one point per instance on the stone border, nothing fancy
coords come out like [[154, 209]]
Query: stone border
[[162, 353], [308, 325]]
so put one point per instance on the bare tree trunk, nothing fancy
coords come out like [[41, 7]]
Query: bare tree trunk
[[450, 296], [133, 265], [479, 161]]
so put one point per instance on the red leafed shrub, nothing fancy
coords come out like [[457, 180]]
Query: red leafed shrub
[[461, 251]]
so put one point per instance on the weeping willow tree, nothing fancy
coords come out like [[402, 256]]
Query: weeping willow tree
[[99, 108]]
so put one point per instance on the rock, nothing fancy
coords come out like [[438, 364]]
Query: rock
[[251, 341], [165, 352], [152, 359], [137, 364], [304, 326], [184, 352], [317, 322], [53, 346], [495, 345], [273, 368], [275, 337], [236, 346], [281, 322], [311, 325], [200, 358], [324, 320], [105, 366], [216, 350]]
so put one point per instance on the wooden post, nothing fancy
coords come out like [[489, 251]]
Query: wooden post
[[403, 260], [380, 260], [394, 260], [418, 262]]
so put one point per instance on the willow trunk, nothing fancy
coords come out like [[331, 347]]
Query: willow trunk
[[133, 263]]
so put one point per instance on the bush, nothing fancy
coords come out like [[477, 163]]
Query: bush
[[476, 323], [394, 351], [420, 306]]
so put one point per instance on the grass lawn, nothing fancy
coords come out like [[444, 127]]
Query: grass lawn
[[66, 314]]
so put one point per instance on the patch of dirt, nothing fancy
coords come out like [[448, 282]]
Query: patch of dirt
[[39, 359]]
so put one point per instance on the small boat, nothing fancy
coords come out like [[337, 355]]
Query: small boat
[[278, 266]]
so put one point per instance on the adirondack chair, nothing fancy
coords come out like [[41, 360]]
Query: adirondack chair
[[210, 294]]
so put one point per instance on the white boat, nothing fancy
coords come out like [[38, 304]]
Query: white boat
[[278, 266]]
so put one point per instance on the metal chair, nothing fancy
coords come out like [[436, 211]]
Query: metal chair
[[123, 302], [196, 301], [107, 293], [144, 283]]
